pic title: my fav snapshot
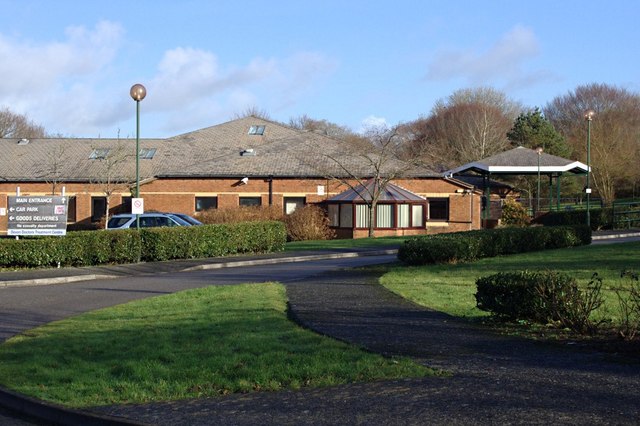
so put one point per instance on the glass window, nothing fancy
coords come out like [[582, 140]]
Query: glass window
[[439, 209], [250, 201], [417, 215], [403, 215], [346, 216], [384, 216], [334, 214], [147, 153], [256, 130], [206, 203], [362, 216], [99, 154], [98, 208], [293, 203], [125, 207], [71, 209]]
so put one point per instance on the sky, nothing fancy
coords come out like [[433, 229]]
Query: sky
[[69, 65]]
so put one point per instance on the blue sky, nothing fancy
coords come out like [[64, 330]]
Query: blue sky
[[68, 65]]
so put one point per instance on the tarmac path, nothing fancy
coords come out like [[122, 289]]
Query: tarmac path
[[496, 379]]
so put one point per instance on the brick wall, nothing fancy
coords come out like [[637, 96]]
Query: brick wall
[[178, 195]]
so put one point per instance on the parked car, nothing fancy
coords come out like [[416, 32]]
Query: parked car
[[147, 220], [191, 220]]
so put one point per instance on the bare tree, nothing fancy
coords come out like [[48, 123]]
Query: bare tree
[[366, 165], [111, 173], [252, 111], [323, 127], [468, 125], [54, 162], [615, 130], [14, 125]]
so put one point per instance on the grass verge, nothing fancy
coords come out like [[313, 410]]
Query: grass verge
[[197, 343], [345, 243], [451, 288]]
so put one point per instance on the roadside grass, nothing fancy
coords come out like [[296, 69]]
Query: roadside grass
[[197, 343], [345, 243], [451, 288]]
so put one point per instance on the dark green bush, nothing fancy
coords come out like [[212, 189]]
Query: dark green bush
[[84, 248], [540, 297], [472, 245], [600, 218], [514, 295]]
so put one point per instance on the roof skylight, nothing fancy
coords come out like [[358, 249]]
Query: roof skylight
[[99, 154], [256, 130], [147, 153]]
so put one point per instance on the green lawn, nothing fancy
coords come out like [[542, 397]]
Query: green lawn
[[345, 243], [197, 343], [451, 288]]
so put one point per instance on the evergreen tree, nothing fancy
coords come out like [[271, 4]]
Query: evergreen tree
[[531, 130]]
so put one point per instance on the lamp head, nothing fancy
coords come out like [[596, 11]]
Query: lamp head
[[138, 92], [589, 115]]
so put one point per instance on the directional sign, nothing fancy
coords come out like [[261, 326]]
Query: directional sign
[[37, 215]]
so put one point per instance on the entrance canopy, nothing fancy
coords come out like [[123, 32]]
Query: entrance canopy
[[521, 161]]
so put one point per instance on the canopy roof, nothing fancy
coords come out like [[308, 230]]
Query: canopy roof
[[521, 161], [363, 193]]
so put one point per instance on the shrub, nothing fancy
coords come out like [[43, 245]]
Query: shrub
[[472, 245], [629, 306], [600, 218], [308, 223], [514, 213], [241, 214], [540, 297]]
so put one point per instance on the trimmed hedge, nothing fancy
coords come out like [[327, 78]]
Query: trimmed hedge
[[600, 218], [85, 248], [472, 245], [524, 295]]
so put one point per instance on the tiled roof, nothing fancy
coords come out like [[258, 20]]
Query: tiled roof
[[390, 192], [211, 152]]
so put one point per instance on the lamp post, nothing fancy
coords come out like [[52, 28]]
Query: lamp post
[[539, 151], [588, 116], [138, 92]]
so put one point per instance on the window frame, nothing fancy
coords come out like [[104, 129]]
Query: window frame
[[444, 209], [198, 207], [251, 204]]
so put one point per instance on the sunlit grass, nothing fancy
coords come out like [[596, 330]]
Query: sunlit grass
[[451, 288], [197, 343], [345, 243]]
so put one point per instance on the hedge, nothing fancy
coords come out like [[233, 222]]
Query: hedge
[[600, 218], [86, 248], [523, 295], [472, 245]]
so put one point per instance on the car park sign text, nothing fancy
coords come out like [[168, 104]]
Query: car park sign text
[[37, 215]]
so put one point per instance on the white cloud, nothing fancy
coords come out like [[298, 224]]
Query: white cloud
[[53, 82], [503, 62], [193, 80], [79, 85], [373, 122]]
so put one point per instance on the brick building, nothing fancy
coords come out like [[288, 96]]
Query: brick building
[[249, 161]]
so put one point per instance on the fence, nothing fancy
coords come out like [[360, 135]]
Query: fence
[[626, 214]]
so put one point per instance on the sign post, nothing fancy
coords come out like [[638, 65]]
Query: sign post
[[37, 215]]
